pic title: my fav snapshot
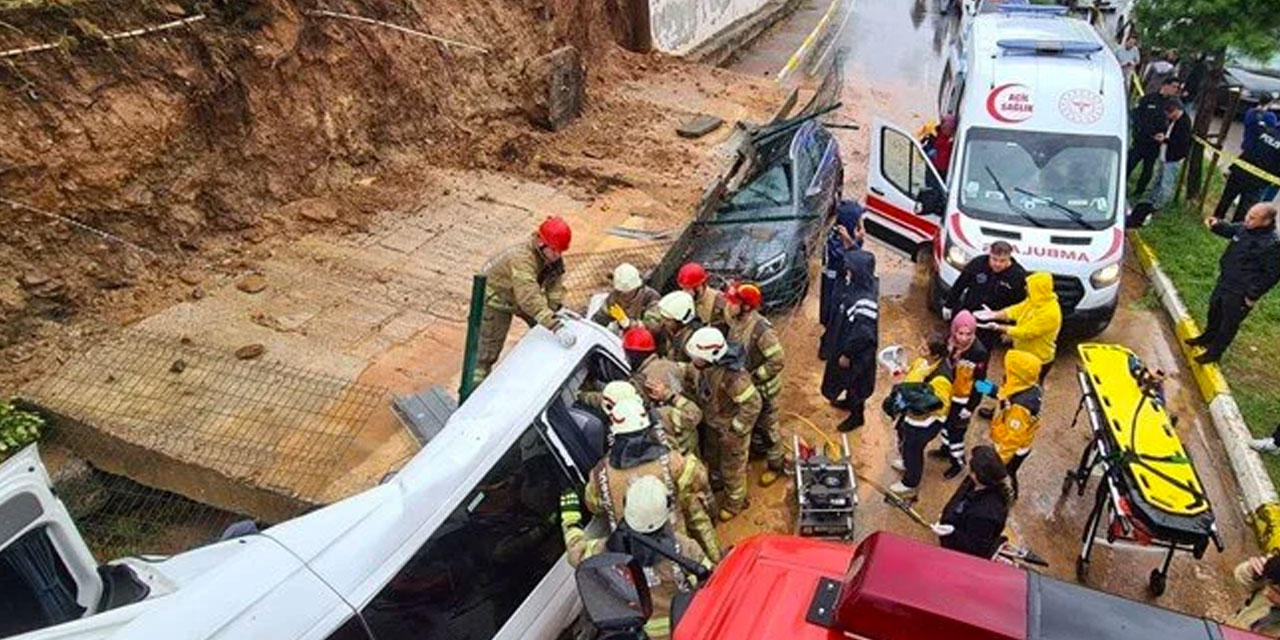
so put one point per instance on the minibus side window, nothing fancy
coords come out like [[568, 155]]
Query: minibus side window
[[485, 559]]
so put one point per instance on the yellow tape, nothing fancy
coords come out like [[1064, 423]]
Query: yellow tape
[[1237, 162]]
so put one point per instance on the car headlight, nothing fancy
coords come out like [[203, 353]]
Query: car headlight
[[956, 256], [771, 268], [1105, 276]]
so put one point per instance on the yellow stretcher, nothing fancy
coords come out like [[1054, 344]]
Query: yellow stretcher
[[1149, 495]]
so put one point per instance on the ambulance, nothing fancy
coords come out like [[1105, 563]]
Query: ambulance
[[1038, 161]]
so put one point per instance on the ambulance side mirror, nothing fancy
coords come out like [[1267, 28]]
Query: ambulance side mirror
[[930, 201], [615, 593]]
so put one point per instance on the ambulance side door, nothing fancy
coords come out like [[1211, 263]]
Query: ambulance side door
[[905, 194]]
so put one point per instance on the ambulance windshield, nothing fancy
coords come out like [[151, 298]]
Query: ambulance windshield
[[1052, 180]]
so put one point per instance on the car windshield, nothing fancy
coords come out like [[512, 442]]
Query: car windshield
[[768, 190], [1054, 180]]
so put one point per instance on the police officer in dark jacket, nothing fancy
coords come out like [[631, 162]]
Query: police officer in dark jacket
[[852, 338], [1246, 271], [995, 281], [845, 235], [1263, 152], [973, 520], [1147, 120]]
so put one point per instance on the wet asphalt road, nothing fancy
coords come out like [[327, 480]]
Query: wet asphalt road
[[895, 55]]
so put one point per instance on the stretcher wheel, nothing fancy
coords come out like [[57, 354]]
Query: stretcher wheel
[[1067, 482], [1082, 570], [1156, 583]]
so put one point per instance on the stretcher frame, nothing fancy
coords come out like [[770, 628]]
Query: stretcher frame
[[1107, 500]]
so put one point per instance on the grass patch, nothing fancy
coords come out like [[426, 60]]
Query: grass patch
[[1189, 254]]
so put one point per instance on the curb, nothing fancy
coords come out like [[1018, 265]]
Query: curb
[[723, 46], [806, 47], [1256, 487]]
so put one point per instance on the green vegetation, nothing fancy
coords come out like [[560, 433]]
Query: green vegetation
[[1188, 253], [18, 428], [1208, 26]]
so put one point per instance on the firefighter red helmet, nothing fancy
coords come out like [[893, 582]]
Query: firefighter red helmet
[[639, 339], [555, 233], [691, 275], [746, 294]]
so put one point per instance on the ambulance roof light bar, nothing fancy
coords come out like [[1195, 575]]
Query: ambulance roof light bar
[[1048, 47], [1010, 7]]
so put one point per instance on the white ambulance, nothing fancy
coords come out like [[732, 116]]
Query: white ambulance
[[1038, 161]]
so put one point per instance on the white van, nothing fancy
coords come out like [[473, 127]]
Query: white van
[[462, 543], [1038, 161]]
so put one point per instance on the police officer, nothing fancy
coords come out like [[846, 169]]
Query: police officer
[[845, 235], [647, 504], [631, 302], [765, 361], [707, 300], [525, 280], [638, 450], [851, 339], [678, 320], [1247, 270], [730, 406]]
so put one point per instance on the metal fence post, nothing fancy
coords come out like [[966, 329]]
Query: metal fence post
[[468, 383]]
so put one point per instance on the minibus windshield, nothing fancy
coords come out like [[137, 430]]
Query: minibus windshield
[[1052, 180]]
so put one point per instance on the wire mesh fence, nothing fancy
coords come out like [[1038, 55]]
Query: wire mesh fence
[[157, 443]]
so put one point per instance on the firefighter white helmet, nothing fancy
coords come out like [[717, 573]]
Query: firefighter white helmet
[[616, 392], [629, 415], [677, 306], [646, 507], [707, 344], [626, 278]]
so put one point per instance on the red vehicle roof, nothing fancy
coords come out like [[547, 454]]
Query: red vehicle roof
[[892, 588]]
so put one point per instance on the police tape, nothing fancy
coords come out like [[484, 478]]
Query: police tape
[[1237, 161]]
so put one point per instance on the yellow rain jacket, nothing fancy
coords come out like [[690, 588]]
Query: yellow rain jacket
[[1037, 319], [936, 377], [1017, 418]]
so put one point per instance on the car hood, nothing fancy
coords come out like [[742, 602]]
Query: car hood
[[738, 247], [1254, 81]]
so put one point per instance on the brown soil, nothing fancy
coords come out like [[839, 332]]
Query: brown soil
[[206, 148]]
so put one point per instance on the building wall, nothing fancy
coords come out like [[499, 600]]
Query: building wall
[[680, 25]]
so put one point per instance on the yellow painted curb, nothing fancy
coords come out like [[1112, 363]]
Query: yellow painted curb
[[1208, 376], [1266, 525], [1145, 255], [803, 51]]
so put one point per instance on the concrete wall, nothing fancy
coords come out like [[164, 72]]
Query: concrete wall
[[680, 25]]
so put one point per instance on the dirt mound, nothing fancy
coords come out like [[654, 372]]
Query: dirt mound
[[187, 139]]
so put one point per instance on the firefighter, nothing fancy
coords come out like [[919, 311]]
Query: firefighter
[[967, 357], [708, 301], [647, 504], [1036, 321], [851, 339], [928, 379], [1017, 416], [765, 362], [637, 450], [678, 320], [631, 302], [661, 379], [730, 406], [525, 280]]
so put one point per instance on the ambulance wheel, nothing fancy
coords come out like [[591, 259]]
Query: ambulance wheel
[[1156, 583], [1082, 570]]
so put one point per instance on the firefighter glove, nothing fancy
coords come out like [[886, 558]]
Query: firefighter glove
[[570, 509]]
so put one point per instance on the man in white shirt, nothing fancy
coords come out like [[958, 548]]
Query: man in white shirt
[[1128, 57]]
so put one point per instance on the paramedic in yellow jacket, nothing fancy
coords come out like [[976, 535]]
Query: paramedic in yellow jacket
[[1017, 416], [647, 501], [1036, 321], [917, 429], [525, 280], [638, 450]]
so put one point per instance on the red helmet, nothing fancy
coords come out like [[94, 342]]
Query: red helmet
[[746, 294], [555, 233], [639, 339], [691, 275]]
